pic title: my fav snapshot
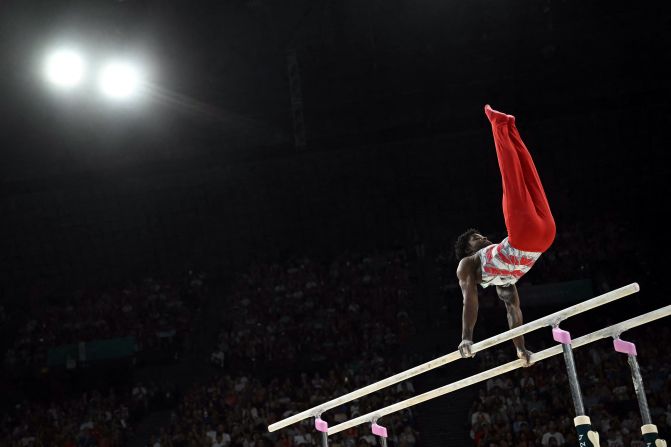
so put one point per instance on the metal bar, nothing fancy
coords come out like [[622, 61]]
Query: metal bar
[[611, 331], [573, 381], [640, 391], [549, 320]]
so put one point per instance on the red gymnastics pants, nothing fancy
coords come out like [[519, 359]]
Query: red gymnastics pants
[[526, 211]]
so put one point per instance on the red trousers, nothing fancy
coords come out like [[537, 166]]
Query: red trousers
[[526, 211]]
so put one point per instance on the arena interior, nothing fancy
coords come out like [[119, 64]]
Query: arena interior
[[218, 214]]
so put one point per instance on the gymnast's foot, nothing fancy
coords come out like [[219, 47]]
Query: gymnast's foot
[[496, 117], [525, 356]]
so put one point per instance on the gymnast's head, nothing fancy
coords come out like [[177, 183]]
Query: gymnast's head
[[469, 242]]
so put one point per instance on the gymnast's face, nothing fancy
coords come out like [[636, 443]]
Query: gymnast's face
[[477, 242]]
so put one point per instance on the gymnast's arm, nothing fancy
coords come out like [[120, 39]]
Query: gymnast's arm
[[469, 289], [511, 298]]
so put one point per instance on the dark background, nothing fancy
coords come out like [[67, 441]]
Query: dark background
[[204, 169], [204, 174]]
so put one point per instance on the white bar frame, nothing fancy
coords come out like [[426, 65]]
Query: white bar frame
[[613, 331], [549, 320]]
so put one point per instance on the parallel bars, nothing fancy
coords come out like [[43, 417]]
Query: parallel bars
[[550, 320]]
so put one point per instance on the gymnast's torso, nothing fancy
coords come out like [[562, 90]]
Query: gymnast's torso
[[502, 264]]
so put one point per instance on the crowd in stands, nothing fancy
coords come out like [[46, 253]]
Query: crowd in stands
[[236, 410], [91, 419], [336, 320], [339, 320], [533, 406], [297, 333], [154, 312], [305, 311]]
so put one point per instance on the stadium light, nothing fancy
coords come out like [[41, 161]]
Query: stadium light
[[64, 68], [119, 80]]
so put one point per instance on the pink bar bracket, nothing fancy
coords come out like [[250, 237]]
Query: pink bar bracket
[[321, 425], [561, 336], [379, 430], [625, 347]]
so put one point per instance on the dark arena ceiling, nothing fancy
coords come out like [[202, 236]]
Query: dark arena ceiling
[[219, 88]]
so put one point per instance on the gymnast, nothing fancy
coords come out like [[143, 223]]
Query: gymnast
[[531, 231]]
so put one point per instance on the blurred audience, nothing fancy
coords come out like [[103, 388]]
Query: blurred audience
[[299, 332], [154, 312], [304, 311], [533, 407], [236, 410], [91, 419]]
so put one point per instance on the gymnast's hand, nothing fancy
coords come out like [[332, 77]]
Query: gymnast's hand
[[525, 355], [465, 348]]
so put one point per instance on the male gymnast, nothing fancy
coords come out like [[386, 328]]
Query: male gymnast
[[531, 230]]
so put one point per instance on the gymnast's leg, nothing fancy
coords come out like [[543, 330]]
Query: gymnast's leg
[[526, 211]]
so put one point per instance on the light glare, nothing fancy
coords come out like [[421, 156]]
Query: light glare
[[65, 68], [119, 80]]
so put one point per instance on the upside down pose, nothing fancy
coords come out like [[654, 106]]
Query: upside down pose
[[531, 230]]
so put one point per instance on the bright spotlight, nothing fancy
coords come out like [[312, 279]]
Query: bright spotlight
[[64, 68], [119, 80]]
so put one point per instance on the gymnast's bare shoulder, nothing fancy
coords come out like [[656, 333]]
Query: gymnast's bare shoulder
[[469, 269]]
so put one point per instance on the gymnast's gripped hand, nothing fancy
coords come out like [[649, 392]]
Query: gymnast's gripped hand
[[465, 348], [525, 355]]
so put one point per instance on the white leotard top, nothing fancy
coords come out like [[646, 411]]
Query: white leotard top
[[503, 264]]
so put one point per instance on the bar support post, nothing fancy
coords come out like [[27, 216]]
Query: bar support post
[[586, 436], [648, 430], [323, 427]]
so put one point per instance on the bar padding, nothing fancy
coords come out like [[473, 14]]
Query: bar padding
[[561, 336], [379, 430], [321, 425], [625, 347]]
